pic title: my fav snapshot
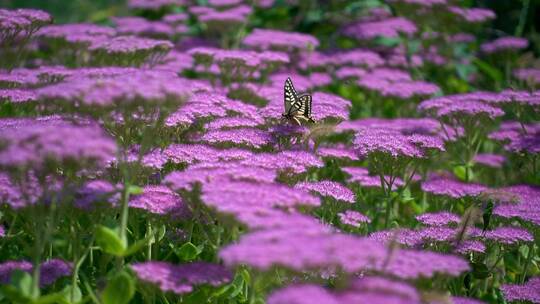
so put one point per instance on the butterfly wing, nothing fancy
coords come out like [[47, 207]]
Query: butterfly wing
[[304, 107], [290, 97]]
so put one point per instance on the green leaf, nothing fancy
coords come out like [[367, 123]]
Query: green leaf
[[489, 70], [246, 276], [109, 241], [136, 246], [22, 281], [10, 292], [413, 46], [238, 285], [524, 251], [218, 292], [356, 6], [120, 289], [52, 298], [480, 271], [463, 172], [70, 291], [134, 190], [161, 233], [486, 217], [189, 251], [406, 195], [388, 41]]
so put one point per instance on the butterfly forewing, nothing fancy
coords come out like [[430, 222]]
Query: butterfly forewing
[[297, 108], [290, 96]]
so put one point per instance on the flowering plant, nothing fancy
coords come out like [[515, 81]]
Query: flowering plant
[[160, 153]]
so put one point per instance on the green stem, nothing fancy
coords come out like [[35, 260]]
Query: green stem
[[387, 215], [150, 241], [125, 211], [522, 18], [500, 255], [41, 242], [78, 265], [527, 262], [124, 215]]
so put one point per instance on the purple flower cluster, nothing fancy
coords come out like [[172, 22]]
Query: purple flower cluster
[[20, 22], [363, 178], [205, 173], [509, 235], [398, 89], [504, 44], [405, 126], [50, 270], [246, 194], [38, 144], [374, 290], [355, 57], [490, 160], [181, 278], [438, 219], [390, 27], [154, 4], [529, 291], [524, 203], [17, 96], [176, 62], [434, 235], [129, 45], [278, 40], [426, 3], [451, 106], [353, 218], [22, 192], [76, 33], [300, 249], [193, 153], [528, 74], [23, 77], [472, 15], [518, 137], [369, 141], [328, 188], [96, 192], [218, 20], [251, 137], [236, 64], [199, 164], [447, 186], [143, 27], [160, 200], [127, 88], [337, 152]]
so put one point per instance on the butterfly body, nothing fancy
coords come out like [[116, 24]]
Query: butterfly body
[[297, 108]]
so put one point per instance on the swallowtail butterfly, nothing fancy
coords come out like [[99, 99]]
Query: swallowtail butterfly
[[297, 108]]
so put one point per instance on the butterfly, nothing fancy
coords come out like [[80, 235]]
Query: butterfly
[[297, 108]]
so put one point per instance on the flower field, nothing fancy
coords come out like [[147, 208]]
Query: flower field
[[270, 151]]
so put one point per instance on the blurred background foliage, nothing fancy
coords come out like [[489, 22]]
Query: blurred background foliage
[[508, 11], [514, 17]]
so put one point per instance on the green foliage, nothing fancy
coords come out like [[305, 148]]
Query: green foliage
[[120, 289], [109, 240]]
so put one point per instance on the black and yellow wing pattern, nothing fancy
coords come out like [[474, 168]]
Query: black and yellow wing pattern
[[297, 108]]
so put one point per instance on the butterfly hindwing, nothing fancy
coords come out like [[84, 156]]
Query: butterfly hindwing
[[304, 108]]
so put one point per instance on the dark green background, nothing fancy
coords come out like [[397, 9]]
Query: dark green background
[[508, 11]]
